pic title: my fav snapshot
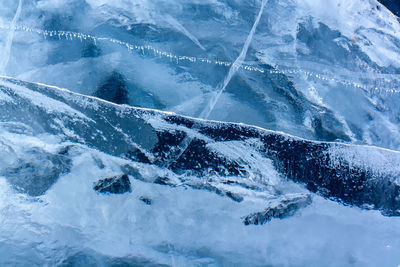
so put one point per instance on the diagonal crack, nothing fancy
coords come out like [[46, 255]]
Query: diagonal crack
[[7, 48], [232, 71]]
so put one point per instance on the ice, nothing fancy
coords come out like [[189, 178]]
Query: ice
[[235, 66], [205, 113], [206, 213], [44, 102], [182, 29], [366, 157], [6, 51], [392, 5], [190, 220], [177, 77], [250, 133]]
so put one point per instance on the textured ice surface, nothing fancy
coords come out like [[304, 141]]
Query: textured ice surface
[[306, 65], [201, 193], [204, 209]]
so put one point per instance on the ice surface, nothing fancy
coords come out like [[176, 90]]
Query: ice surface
[[235, 65], [196, 211], [319, 187], [305, 65], [6, 51]]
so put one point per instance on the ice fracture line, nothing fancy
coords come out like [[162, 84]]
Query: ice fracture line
[[232, 71], [5, 56], [234, 68]]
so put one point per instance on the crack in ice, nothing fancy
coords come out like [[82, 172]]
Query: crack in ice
[[232, 71], [235, 66], [183, 30], [5, 57]]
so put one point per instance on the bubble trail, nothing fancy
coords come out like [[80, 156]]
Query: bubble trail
[[143, 49]]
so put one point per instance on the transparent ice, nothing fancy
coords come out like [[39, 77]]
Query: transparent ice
[[323, 70]]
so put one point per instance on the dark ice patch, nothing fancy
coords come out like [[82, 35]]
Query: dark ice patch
[[114, 89], [392, 5], [311, 163], [300, 160], [119, 184], [197, 158], [284, 209], [146, 200], [137, 155], [90, 49]]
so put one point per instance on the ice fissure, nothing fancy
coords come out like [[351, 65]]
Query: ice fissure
[[205, 113], [6, 51]]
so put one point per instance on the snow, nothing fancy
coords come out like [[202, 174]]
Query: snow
[[377, 160]]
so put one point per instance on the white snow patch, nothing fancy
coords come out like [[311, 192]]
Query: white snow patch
[[380, 161], [256, 164]]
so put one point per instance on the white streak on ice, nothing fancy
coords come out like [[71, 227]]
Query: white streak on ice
[[232, 71], [5, 56], [235, 66], [183, 30], [382, 162], [349, 81], [238, 151]]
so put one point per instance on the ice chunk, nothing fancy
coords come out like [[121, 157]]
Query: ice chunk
[[281, 209], [119, 184]]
